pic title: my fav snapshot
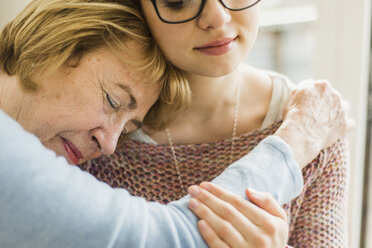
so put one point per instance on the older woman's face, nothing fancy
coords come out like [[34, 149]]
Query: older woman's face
[[80, 112]]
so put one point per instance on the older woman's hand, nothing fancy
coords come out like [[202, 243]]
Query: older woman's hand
[[228, 220], [314, 118]]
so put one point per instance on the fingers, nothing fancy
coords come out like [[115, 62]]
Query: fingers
[[249, 210], [228, 218], [350, 123], [226, 221], [266, 202], [346, 106], [210, 236], [225, 204]]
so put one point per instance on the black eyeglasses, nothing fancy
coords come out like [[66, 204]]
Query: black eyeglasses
[[180, 11]]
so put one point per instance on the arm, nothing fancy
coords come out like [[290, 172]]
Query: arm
[[268, 166], [47, 203], [306, 129], [319, 218]]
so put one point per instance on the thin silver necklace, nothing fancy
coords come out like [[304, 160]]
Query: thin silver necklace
[[233, 137]]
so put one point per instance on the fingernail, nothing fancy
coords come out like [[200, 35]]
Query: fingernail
[[206, 186], [193, 204], [193, 190], [253, 192], [202, 225]]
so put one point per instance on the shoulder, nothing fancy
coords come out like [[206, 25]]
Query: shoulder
[[281, 81], [256, 88], [268, 91], [337, 155], [255, 80], [332, 162], [264, 78], [265, 83]]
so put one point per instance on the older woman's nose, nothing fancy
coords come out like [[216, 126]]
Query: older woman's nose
[[214, 15], [107, 138]]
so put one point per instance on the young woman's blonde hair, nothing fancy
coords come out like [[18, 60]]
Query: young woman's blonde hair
[[50, 33]]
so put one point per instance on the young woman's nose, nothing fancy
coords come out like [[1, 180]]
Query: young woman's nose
[[107, 137], [214, 15]]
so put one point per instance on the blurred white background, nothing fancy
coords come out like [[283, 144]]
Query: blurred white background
[[317, 39]]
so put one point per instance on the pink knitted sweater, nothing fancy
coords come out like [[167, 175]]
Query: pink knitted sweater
[[317, 217]]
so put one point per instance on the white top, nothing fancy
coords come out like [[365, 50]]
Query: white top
[[282, 87]]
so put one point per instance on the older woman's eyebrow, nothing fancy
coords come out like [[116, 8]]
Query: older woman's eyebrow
[[133, 102]]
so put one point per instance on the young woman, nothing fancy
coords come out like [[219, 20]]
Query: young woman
[[233, 107]]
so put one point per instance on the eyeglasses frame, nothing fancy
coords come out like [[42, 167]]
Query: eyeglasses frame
[[199, 12]]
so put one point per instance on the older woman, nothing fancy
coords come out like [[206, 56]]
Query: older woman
[[76, 74]]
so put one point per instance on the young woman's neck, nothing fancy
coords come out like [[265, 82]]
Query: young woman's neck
[[210, 92]]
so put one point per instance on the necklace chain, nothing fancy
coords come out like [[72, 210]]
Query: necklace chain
[[175, 159], [233, 137], [235, 121]]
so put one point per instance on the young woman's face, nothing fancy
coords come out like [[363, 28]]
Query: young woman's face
[[213, 44], [80, 112]]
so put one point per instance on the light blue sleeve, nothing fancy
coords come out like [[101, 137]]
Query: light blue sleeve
[[44, 202]]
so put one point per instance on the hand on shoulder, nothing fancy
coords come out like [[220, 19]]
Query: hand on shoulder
[[314, 118]]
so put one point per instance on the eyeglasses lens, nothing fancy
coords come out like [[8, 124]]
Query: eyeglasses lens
[[183, 10]]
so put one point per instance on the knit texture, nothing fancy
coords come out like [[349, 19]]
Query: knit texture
[[317, 217]]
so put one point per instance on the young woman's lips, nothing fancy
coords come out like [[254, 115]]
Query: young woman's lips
[[218, 47], [73, 153]]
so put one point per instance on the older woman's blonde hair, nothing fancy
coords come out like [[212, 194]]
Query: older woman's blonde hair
[[50, 33]]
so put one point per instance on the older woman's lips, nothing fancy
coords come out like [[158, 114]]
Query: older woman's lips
[[218, 47], [72, 151]]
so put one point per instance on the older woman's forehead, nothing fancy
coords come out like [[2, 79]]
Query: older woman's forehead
[[134, 57]]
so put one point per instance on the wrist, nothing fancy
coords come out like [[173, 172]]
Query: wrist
[[303, 146]]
